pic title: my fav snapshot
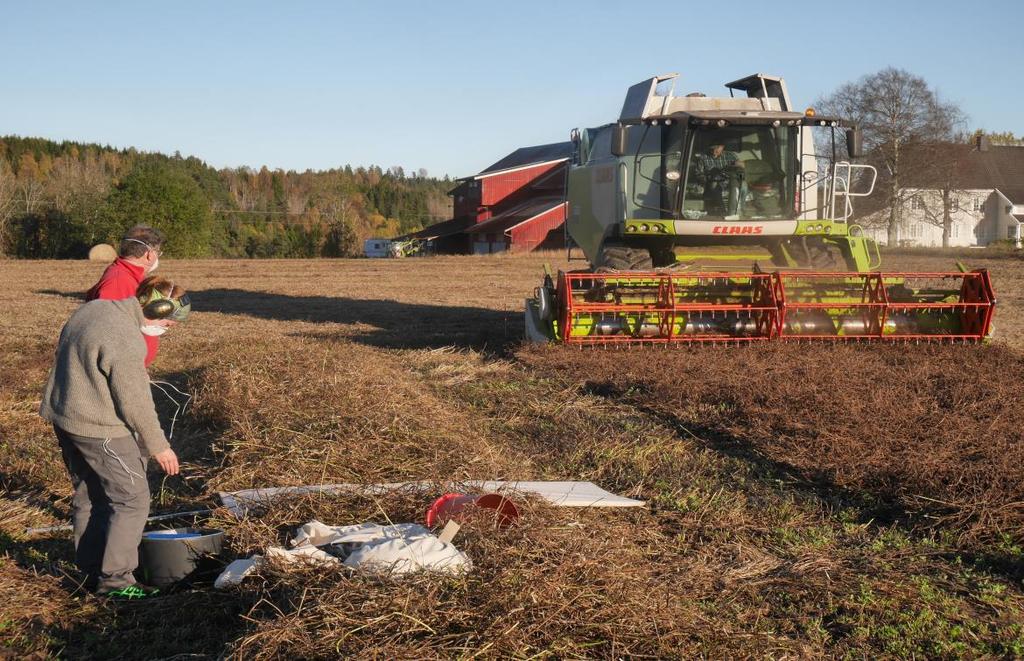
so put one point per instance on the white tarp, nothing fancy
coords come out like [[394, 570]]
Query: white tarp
[[563, 494]]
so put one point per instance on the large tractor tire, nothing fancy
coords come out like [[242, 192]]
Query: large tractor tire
[[623, 258]]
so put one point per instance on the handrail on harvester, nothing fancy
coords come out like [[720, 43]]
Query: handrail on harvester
[[684, 307]]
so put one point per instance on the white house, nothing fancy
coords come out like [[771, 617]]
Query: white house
[[987, 204]]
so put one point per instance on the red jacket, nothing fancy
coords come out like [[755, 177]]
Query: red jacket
[[119, 281]]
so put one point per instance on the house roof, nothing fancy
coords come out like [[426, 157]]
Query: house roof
[[1000, 167], [524, 156], [520, 213]]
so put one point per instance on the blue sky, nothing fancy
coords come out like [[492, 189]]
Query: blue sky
[[453, 86]]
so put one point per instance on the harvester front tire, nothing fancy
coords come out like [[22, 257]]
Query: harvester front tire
[[623, 258]]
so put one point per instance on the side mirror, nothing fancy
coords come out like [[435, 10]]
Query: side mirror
[[619, 137], [855, 142]]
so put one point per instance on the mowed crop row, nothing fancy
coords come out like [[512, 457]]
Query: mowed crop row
[[773, 526]]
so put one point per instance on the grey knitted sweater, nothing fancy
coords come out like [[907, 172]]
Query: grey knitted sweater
[[98, 386]]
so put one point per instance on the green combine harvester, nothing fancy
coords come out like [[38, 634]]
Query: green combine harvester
[[708, 220]]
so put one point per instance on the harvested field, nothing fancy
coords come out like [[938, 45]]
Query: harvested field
[[803, 500]]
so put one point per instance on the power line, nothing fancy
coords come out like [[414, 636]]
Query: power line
[[303, 213]]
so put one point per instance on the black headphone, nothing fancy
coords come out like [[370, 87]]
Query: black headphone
[[162, 306], [158, 309]]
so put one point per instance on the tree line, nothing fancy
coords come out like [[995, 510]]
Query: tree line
[[57, 199], [916, 140]]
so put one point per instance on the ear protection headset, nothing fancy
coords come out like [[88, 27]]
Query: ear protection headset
[[148, 247], [161, 306]]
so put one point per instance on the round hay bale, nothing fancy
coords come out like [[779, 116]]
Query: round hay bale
[[102, 252]]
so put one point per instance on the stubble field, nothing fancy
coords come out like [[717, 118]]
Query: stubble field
[[803, 501]]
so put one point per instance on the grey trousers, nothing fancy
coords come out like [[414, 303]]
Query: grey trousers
[[109, 507]]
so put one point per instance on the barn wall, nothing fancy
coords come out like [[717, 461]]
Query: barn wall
[[538, 232], [500, 186]]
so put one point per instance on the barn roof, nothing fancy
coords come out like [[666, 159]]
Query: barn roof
[[520, 213], [535, 155]]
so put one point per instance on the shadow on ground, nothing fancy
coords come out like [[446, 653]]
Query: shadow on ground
[[76, 295], [394, 324], [194, 624]]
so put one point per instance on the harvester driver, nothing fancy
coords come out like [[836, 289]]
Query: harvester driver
[[718, 171]]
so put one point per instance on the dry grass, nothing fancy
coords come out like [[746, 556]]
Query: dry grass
[[933, 432], [764, 470]]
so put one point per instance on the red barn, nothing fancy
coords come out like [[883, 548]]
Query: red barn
[[516, 204]]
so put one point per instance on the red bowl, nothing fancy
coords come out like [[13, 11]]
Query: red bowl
[[450, 505]]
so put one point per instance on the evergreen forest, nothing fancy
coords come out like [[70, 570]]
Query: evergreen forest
[[57, 199]]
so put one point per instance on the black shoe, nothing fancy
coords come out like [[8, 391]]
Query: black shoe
[[131, 592]]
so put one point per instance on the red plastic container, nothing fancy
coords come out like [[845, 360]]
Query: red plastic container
[[450, 505]]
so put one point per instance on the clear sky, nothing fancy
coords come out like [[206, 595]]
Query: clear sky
[[452, 86]]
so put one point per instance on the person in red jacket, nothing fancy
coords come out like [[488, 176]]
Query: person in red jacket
[[139, 256]]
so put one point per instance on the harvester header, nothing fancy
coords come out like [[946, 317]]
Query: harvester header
[[590, 308]]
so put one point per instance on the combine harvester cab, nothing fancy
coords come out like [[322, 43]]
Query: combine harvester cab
[[679, 203]]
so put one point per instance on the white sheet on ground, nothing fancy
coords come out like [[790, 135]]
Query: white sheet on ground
[[402, 548], [407, 556], [563, 494], [316, 533], [236, 571]]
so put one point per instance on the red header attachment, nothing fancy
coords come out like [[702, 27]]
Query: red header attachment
[[666, 307]]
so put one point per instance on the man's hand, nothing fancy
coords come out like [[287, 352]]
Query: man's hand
[[168, 461]]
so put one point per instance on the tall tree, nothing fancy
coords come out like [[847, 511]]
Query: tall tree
[[897, 110], [161, 193]]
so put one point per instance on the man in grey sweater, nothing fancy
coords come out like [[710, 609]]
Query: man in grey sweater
[[99, 402]]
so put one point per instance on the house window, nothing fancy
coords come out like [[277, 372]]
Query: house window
[[976, 204], [1011, 232], [916, 203], [955, 230]]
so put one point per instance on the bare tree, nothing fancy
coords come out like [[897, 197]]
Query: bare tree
[[896, 110], [942, 165], [30, 183], [8, 193]]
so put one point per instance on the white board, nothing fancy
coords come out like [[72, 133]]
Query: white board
[[562, 494]]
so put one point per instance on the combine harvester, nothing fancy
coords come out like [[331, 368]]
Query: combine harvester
[[678, 204]]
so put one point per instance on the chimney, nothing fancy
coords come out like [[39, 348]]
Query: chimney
[[982, 142]]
